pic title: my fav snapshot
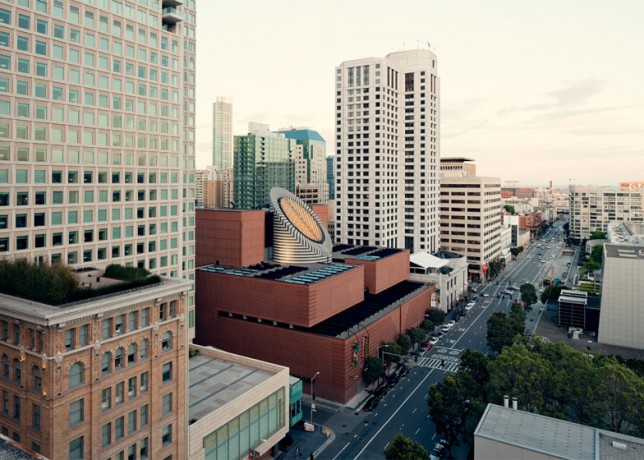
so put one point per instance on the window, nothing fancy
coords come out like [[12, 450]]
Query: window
[[107, 328], [167, 372], [143, 412], [76, 449], [167, 404], [35, 417], [166, 435], [106, 363], [17, 373], [119, 428], [16, 407], [119, 360], [131, 354], [131, 321], [5, 366], [84, 335], [131, 387], [131, 422], [120, 324], [163, 314], [145, 317], [76, 412], [166, 343], [143, 448], [144, 382], [106, 434], [70, 339], [106, 399], [37, 378], [143, 352], [119, 393], [76, 375]]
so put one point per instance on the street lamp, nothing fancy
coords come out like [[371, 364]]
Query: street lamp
[[312, 404]]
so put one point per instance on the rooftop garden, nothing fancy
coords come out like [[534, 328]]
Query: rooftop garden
[[58, 284]]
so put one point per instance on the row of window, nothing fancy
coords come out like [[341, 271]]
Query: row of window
[[102, 24]]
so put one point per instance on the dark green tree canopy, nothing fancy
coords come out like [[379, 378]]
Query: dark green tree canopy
[[404, 448]]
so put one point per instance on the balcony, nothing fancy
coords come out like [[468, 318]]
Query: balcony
[[172, 3], [170, 16]]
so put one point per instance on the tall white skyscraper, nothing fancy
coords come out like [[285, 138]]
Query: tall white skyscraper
[[222, 134], [97, 121], [388, 151]]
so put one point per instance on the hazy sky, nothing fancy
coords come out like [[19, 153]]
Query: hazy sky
[[532, 90]]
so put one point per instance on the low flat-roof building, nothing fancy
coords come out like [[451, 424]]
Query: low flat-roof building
[[505, 433], [446, 270], [237, 405]]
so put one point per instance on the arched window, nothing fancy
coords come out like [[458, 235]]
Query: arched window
[[131, 354], [166, 343], [143, 352], [119, 360], [35, 371], [5, 366], [106, 363], [17, 373], [76, 375]]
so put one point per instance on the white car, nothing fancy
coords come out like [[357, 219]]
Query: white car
[[469, 306], [485, 295], [433, 341], [451, 323], [445, 328]]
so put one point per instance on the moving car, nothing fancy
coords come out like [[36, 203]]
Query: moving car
[[485, 295]]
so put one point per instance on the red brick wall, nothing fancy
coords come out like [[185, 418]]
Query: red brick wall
[[322, 211], [302, 305], [384, 273], [305, 353], [229, 237]]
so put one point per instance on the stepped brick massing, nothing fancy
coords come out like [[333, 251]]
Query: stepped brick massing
[[307, 317], [98, 377], [230, 237]]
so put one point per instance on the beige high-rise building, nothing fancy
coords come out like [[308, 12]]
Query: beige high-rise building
[[222, 133], [592, 208], [387, 151], [97, 122], [470, 214]]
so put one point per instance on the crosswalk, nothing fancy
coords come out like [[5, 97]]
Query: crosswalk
[[435, 363], [447, 359]]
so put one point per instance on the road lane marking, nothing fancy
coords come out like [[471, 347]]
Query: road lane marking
[[417, 430], [400, 406], [345, 446]]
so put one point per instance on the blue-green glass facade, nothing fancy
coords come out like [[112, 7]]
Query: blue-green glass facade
[[261, 161]]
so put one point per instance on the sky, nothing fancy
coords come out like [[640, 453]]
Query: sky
[[533, 91]]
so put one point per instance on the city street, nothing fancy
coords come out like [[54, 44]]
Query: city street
[[365, 435]]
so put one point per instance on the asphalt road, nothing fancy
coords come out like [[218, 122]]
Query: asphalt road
[[404, 408]]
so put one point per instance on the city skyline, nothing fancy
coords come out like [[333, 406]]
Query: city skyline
[[552, 84]]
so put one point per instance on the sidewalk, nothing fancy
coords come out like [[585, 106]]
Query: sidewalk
[[329, 419]]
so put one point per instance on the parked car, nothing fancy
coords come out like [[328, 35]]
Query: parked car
[[469, 306], [433, 340], [451, 324], [426, 346], [445, 328]]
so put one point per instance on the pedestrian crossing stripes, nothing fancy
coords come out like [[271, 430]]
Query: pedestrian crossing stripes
[[450, 366]]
